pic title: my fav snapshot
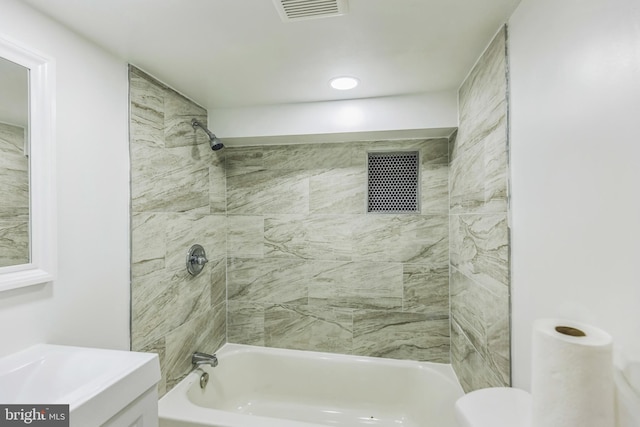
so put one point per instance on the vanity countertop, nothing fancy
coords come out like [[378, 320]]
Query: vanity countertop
[[93, 382]]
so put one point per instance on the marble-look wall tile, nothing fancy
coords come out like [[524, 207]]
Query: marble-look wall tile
[[479, 231], [308, 328], [259, 192], [308, 257], [338, 191], [218, 186], [467, 181], [240, 160], [484, 317], [165, 300], [15, 213], [356, 285], [496, 159], [170, 161], [178, 199], [198, 334], [307, 156], [245, 323], [472, 370], [426, 289], [148, 243], [186, 229], [416, 239], [401, 335], [479, 156], [478, 176], [434, 189], [168, 180], [178, 113], [310, 237], [480, 248], [435, 151], [268, 280], [219, 325], [218, 282], [452, 143], [164, 295], [483, 96], [245, 236], [146, 110]]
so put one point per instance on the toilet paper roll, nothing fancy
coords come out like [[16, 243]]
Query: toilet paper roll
[[572, 375]]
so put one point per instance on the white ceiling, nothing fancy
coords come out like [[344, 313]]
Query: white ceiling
[[239, 53]]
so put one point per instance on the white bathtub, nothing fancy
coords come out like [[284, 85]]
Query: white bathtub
[[266, 387]]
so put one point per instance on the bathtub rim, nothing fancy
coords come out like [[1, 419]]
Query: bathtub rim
[[175, 404]]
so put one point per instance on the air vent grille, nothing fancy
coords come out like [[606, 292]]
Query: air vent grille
[[393, 183], [296, 10]]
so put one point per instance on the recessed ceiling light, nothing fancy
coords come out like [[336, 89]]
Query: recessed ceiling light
[[344, 83]]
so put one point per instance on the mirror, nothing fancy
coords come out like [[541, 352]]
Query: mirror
[[27, 203], [14, 164]]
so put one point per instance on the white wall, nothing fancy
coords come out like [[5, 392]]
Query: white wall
[[88, 304], [575, 152]]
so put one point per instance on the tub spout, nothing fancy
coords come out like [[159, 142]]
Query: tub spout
[[198, 359]]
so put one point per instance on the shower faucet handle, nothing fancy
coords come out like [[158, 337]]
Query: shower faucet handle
[[196, 259], [200, 260]]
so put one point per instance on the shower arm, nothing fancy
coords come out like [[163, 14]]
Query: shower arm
[[195, 123], [214, 142]]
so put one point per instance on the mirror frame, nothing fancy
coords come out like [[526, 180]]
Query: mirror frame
[[42, 201]]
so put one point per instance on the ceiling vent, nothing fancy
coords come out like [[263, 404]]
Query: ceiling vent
[[298, 10]]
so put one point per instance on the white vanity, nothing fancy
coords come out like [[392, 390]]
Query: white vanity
[[102, 387]]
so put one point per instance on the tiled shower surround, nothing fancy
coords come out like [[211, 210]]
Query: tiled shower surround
[[309, 269], [14, 197], [479, 235], [295, 259], [177, 191]]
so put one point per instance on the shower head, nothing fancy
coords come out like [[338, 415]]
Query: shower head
[[214, 142]]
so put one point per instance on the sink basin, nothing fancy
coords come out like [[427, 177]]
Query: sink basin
[[95, 383]]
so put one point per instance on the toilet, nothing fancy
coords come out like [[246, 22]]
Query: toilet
[[494, 407], [628, 395], [511, 407]]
